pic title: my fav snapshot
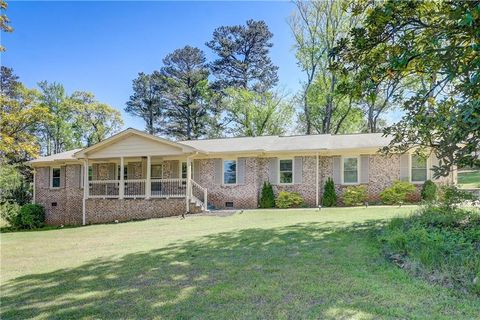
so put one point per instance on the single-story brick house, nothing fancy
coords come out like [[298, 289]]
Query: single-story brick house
[[135, 175]]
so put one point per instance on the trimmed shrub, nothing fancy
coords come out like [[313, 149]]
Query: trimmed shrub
[[10, 212], [287, 199], [355, 195], [438, 244], [31, 216], [397, 193], [267, 198], [329, 198], [429, 191]]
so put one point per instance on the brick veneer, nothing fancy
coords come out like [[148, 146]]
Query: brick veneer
[[383, 171], [108, 210]]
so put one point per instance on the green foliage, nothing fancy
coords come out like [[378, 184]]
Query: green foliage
[[451, 196], [429, 191], [257, 114], [287, 199], [397, 193], [10, 212], [242, 57], [329, 198], [31, 216], [436, 46], [438, 243], [355, 195], [267, 197], [14, 188]]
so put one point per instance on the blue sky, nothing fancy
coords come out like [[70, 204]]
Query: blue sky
[[101, 46]]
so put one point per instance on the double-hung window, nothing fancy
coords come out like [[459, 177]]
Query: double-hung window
[[55, 177], [286, 171], [419, 168], [350, 170], [229, 171]]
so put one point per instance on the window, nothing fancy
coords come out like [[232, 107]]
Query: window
[[183, 171], [55, 177], [124, 172], [229, 171], [350, 170], [90, 173], [286, 171], [156, 171], [419, 168]]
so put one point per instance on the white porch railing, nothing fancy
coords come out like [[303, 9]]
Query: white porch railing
[[134, 188], [199, 193], [168, 188], [103, 189]]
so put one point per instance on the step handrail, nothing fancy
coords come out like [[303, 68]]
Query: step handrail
[[203, 190]]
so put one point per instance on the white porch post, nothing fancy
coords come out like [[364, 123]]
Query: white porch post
[[86, 186], [148, 187], [189, 182], [121, 187], [316, 182]]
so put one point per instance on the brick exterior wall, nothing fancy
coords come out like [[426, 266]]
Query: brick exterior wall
[[243, 196], [109, 210], [383, 171], [68, 198]]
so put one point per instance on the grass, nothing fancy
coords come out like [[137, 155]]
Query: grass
[[469, 179], [259, 264]]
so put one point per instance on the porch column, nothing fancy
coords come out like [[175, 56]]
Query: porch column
[[148, 187], [189, 182], [317, 191], [121, 187], [86, 186]]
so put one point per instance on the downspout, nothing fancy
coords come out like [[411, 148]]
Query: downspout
[[34, 182], [189, 180], [316, 182], [85, 190]]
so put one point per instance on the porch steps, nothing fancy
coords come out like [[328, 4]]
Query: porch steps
[[199, 205]]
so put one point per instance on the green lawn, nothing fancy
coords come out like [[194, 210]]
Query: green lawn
[[469, 179], [259, 264]]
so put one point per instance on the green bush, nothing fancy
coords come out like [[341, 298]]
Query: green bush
[[14, 188], [287, 199], [267, 198], [439, 244], [429, 191], [451, 196], [329, 198], [355, 195], [32, 216], [397, 193], [10, 212]]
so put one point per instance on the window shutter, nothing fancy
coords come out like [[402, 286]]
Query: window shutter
[[405, 167], [241, 168], [196, 170], [434, 162], [63, 176], [364, 168], [337, 168], [298, 170], [218, 171], [273, 171], [174, 168]]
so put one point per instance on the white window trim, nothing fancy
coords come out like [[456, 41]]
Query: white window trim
[[427, 164], [293, 172], [51, 178], [180, 171], [342, 171], [236, 172]]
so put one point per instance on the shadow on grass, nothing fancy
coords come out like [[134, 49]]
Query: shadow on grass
[[302, 271]]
